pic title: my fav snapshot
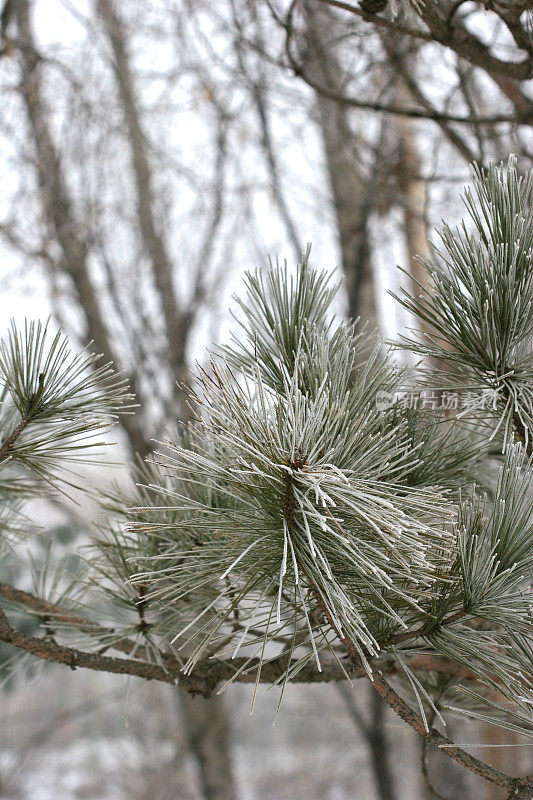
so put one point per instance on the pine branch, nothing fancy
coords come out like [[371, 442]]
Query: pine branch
[[7, 445], [206, 671], [53, 402], [241, 491], [296, 520], [522, 787], [477, 308], [423, 630], [29, 415], [58, 615], [205, 679]]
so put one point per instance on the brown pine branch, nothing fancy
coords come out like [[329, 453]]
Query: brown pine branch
[[423, 630], [522, 788], [208, 673], [7, 444]]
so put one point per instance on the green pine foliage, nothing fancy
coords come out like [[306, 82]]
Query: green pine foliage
[[480, 299], [54, 404], [295, 485], [294, 515], [55, 407]]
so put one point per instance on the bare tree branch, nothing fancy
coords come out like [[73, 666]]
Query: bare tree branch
[[258, 89], [400, 64], [177, 320], [352, 191], [451, 32], [59, 212]]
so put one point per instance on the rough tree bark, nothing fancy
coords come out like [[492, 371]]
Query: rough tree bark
[[374, 736], [413, 202], [208, 734]]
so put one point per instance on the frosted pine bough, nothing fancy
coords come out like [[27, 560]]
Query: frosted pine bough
[[297, 489], [302, 517], [295, 530]]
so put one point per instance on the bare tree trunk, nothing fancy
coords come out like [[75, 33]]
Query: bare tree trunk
[[254, 73], [413, 204], [208, 735], [412, 193], [352, 196], [352, 206], [380, 749], [58, 212], [413, 200], [177, 320], [375, 737]]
